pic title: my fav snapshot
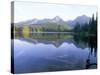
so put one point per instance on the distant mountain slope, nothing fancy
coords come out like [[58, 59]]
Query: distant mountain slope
[[59, 21], [80, 19]]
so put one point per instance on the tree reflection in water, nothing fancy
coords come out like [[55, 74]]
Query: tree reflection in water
[[91, 42]]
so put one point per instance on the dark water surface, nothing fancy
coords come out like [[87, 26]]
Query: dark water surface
[[38, 52]]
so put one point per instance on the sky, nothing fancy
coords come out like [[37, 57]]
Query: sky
[[31, 10]]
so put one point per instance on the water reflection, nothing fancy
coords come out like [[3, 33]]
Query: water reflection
[[91, 42], [55, 51]]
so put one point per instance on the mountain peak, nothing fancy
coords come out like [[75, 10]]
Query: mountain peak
[[56, 19], [80, 19], [83, 17]]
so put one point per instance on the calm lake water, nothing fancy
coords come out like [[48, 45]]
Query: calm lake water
[[40, 52]]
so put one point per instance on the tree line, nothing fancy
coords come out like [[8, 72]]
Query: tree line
[[87, 28]]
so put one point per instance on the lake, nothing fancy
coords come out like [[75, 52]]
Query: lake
[[43, 52]]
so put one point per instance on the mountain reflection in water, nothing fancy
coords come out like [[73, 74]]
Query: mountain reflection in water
[[39, 52]]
